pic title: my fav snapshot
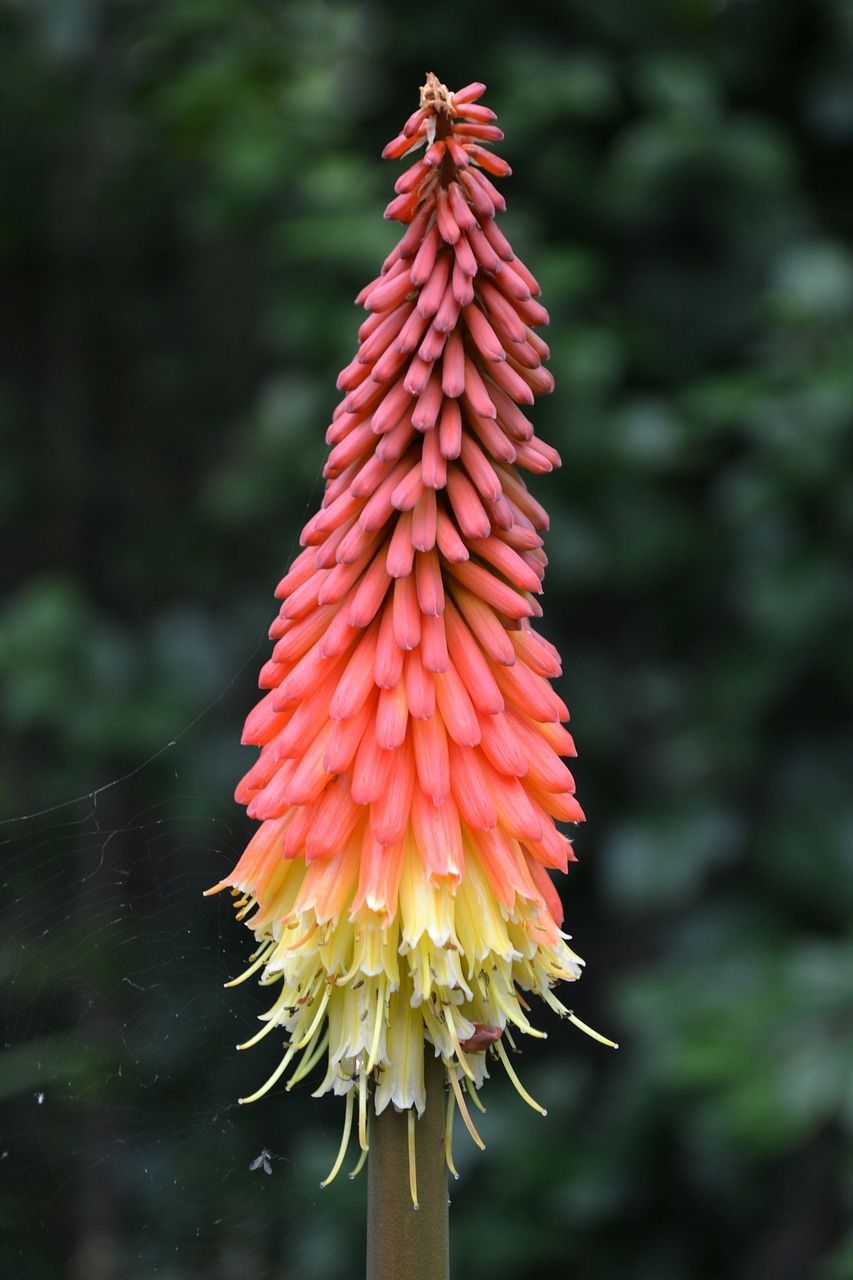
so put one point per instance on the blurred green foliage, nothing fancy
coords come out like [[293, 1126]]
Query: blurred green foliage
[[192, 197]]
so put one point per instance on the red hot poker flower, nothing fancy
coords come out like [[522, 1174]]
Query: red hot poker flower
[[410, 775]]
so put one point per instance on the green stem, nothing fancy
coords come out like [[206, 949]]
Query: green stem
[[404, 1242]]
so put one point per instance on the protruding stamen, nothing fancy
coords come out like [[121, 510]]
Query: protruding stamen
[[448, 1135], [460, 1055], [460, 1102], [276, 1075], [344, 1142], [362, 1110], [413, 1172], [596, 1035], [361, 1159], [520, 1089], [318, 1017], [474, 1095], [377, 1027], [270, 1021], [309, 1060], [259, 961]]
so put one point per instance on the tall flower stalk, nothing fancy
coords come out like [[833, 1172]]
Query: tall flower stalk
[[411, 774]]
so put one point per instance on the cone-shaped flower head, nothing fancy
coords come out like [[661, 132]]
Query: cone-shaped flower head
[[410, 772]]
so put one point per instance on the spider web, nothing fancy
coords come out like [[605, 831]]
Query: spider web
[[123, 1149]]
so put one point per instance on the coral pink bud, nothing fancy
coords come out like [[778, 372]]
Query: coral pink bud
[[424, 260], [434, 643], [447, 538], [424, 523], [430, 584], [485, 624], [465, 257], [450, 429], [425, 414], [471, 789], [414, 122], [456, 708], [488, 160], [513, 383], [434, 154], [392, 714], [485, 339], [389, 815], [462, 285], [481, 114], [432, 345], [448, 311], [433, 291], [411, 333], [500, 311], [412, 239], [453, 366], [418, 375], [461, 209], [498, 240], [375, 343], [469, 93], [448, 227], [409, 180], [491, 433], [457, 153], [433, 462], [471, 515], [476, 196], [478, 181]]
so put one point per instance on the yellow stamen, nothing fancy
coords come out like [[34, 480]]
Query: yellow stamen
[[377, 1026], [596, 1035], [460, 1102], [362, 1111], [531, 1102], [309, 1060], [344, 1141], [276, 1075], [474, 1095], [271, 1021], [253, 968], [306, 937], [361, 1159], [448, 1135], [511, 1009], [413, 1173], [460, 1053], [318, 1018]]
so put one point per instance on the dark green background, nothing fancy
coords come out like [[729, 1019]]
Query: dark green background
[[192, 197]]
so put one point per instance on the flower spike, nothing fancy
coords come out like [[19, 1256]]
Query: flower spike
[[410, 775]]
